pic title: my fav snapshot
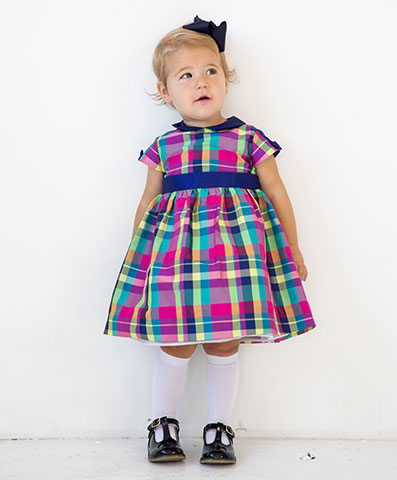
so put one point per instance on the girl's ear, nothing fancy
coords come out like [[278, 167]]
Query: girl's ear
[[163, 91]]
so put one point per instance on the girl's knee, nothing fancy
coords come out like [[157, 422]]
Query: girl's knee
[[181, 351], [222, 349]]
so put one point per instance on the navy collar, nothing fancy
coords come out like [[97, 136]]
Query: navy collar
[[231, 122]]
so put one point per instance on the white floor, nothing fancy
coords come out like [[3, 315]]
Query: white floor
[[125, 458]]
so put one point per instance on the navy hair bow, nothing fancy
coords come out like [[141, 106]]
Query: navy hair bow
[[217, 33]]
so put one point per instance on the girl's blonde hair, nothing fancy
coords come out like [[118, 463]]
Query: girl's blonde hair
[[171, 43]]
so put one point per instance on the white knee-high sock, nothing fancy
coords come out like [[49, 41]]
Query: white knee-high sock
[[222, 385], [169, 378]]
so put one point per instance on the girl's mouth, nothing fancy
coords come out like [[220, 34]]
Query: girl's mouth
[[203, 99]]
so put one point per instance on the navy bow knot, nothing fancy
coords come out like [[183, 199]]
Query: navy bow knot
[[218, 33]]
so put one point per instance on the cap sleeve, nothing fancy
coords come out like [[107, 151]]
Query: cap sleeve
[[151, 157], [262, 147]]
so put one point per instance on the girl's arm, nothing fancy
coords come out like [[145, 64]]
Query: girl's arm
[[154, 185], [274, 188]]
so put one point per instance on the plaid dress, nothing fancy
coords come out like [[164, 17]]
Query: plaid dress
[[209, 264]]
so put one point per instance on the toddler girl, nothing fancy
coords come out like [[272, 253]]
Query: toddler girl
[[214, 256]]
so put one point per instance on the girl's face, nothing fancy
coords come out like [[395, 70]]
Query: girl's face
[[194, 73]]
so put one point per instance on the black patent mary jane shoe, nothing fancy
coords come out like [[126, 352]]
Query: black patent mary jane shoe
[[168, 449], [217, 452]]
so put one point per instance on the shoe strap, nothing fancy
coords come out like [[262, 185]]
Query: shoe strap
[[220, 427], [164, 421]]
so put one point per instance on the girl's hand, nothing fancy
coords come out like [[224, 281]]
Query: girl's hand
[[299, 262]]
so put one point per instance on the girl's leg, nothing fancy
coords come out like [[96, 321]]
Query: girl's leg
[[222, 383], [168, 381]]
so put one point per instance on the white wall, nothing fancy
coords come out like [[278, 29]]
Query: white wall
[[317, 77]]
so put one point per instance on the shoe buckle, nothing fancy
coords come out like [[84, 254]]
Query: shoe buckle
[[158, 422], [229, 430]]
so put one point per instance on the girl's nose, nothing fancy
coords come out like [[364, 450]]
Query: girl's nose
[[201, 80]]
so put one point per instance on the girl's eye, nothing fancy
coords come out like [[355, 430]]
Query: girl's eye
[[210, 69]]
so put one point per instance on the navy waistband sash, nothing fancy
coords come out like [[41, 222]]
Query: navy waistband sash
[[184, 181]]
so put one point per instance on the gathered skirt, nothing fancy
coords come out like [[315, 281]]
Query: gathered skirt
[[209, 264]]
